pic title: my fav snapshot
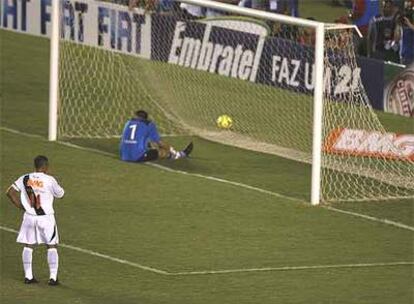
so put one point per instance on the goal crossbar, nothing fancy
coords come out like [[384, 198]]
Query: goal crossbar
[[254, 13]]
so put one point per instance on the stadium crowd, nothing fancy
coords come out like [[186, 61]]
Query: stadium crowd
[[387, 26]]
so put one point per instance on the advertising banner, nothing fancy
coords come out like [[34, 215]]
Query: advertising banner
[[399, 93], [92, 23], [370, 144], [244, 49], [230, 47], [216, 46]]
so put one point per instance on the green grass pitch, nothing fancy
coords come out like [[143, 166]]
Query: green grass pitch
[[183, 223]]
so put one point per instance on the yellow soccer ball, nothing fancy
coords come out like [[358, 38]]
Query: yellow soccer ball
[[224, 122]]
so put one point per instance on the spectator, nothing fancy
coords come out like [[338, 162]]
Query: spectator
[[344, 38], [307, 35], [406, 33], [362, 12], [382, 39], [122, 2], [148, 5], [285, 7], [196, 12], [192, 11]]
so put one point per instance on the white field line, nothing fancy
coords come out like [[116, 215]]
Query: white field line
[[368, 199], [241, 185], [224, 271], [101, 255], [225, 181], [371, 218], [289, 268]]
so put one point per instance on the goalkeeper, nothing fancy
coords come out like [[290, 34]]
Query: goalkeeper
[[141, 142]]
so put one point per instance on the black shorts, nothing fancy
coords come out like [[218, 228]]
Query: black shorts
[[151, 154]]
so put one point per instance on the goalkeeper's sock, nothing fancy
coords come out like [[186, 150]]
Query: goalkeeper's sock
[[174, 154], [27, 255], [181, 154], [53, 261]]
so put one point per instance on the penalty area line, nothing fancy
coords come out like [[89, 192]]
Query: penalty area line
[[225, 181], [101, 255], [290, 268], [224, 271]]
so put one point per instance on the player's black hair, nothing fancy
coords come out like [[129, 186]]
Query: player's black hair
[[40, 161], [142, 114]]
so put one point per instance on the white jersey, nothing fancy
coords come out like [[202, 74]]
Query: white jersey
[[45, 188]]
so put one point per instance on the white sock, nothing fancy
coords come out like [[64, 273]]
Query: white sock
[[176, 154], [27, 262], [53, 261]]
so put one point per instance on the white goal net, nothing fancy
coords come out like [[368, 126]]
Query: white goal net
[[187, 71]]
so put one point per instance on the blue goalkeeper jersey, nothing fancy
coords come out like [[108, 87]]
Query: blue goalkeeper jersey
[[135, 138]]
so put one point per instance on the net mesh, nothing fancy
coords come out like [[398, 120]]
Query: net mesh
[[349, 176], [258, 72]]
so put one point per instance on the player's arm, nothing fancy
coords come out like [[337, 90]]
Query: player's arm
[[57, 190], [132, 4], [155, 138], [408, 23], [14, 197], [163, 145], [160, 145], [164, 149]]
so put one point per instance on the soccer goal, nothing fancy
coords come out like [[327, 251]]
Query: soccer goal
[[291, 86]]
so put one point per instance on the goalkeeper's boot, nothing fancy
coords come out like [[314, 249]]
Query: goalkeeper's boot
[[30, 281], [52, 282], [188, 149]]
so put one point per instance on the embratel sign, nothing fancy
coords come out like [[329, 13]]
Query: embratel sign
[[227, 47], [244, 49], [201, 46]]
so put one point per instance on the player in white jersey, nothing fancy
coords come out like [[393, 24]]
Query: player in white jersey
[[37, 192]]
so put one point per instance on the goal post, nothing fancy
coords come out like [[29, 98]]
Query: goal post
[[292, 87], [317, 115], [54, 71]]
